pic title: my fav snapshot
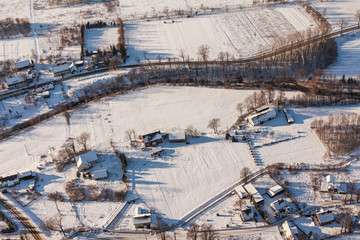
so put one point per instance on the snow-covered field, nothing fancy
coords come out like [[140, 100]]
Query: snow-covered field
[[348, 60], [102, 38], [241, 33]]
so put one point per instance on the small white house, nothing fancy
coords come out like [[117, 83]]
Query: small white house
[[279, 204], [274, 190], [177, 137], [100, 174], [86, 160], [240, 190]]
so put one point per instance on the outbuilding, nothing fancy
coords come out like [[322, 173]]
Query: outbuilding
[[61, 70], [100, 174], [28, 63], [275, 190], [177, 137], [325, 217]]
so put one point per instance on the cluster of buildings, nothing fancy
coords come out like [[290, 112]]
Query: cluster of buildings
[[86, 161], [15, 179], [154, 138], [267, 113], [330, 185], [24, 74]]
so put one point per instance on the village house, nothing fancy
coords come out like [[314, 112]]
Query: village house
[[86, 160], [177, 137], [100, 174], [330, 185], [325, 217], [290, 231], [275, 190], [143, 218], [28, 63], [255, 196], [61, 70], [247, 214], [15, 81], [263, 115], [151, 139], [240, 190], [279, 205]]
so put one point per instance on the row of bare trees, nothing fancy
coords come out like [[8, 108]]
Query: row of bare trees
[[340, 133], [70, 36], [10, 27]]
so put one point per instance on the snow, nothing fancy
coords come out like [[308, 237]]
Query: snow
[[102, 38], [241, 33], [16, 48]]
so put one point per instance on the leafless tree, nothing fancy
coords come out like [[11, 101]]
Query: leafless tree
[[83, 139], [342, 24], [351, 187], [203, 52], [240, 108], [245, 173], [193, 232], [214, 124], [67, 117], [239, 203], [208, 232], [190, 130], [357, 16], [130, 135]]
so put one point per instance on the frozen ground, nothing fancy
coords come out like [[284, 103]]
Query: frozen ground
[[349, 56], [102, 38], [241, 33]]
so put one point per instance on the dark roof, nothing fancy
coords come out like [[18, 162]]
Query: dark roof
[[11, 177]]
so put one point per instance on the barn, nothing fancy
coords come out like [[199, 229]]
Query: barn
[[177, 137]]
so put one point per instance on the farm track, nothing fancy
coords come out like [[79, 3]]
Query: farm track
[[24, 220]]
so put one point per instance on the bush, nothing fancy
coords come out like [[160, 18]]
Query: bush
[[74, 191]]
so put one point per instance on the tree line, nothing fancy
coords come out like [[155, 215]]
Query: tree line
[[10, 27]]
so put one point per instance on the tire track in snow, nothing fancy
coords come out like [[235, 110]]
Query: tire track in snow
[[255, 28]]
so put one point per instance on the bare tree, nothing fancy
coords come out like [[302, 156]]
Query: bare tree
[[193, 232], [203, 52], [357, 16], [351, 187], [67, 117], [239, 203], [83, 139], [342, 24], [214, 124], [130, 135], [245, 173], [240, 108], [190, 131], [207, 232]]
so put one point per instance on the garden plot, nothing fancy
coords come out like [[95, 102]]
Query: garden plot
[[241, 33], [101, 38], [16, 48]]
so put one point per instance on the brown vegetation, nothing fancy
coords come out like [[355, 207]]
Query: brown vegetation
[[13, 27]]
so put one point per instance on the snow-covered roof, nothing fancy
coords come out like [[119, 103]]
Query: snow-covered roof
[[264, 116], [23, 64], [290, 229], [240, 191], [257, 198], [274, 190], [247, 214], [141, 213], [60, 68], [151, 136], [14, 80], [81, 161], [279, 204], [330, 178], [250, 189], [177, 136], [25, 174], [100, 174], [325, 217], [89, 157]]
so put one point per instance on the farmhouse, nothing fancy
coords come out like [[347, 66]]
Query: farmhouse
[[15, 81], [247, 214], [24, 64], [100, 174], [142, 218], [241, 191], [261, 117], [279, 204], [275, 190], [86, 160], [325, 217], [151, 139], [290, 230], [256, 197], [177, 137], [61, 70]]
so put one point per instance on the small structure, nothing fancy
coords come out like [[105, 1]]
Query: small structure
[[325, 217], [142, 218], [86, 160], [61, 70], [330, 179], [247, 214], [256, 197], [156, 152], [240, 190], [261, 117], [275, 190], [288, 116], [27, 175], [151, 139], [24, 64], [177, 137], [73, 68], [100, 174], [279, 205], [45, 94], [290, 230], [44, 87], [331, 185]]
